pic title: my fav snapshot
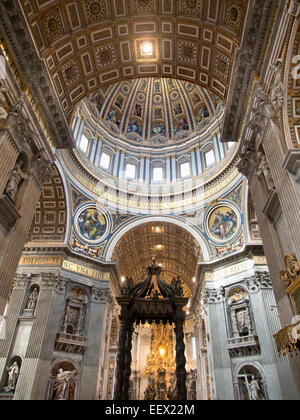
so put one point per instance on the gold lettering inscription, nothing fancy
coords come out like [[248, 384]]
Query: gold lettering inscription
[[80, 269], [40, 260]]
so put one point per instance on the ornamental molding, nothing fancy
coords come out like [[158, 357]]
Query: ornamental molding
[[292, 162], [260, 116], [33, 69], [21, 280], [213, 295], [70, 157], [247, 64], [49, 280], [260, 280], [100, 295]]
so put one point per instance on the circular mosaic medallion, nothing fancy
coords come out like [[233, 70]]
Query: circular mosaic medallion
[[223, 223], [157, 99], [141, 97], [189, 86], [125, 89], [91, 225], [174, 95]]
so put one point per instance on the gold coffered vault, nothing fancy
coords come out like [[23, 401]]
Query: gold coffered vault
[[149, 200]]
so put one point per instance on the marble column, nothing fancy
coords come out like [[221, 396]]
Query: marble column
[[127, 360], [17, 208], [118, 392], [180, 362], [90, 368], [36, 364]]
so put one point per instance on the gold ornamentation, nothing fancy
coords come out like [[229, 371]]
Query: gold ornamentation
[[292, 270], [86, 271], [287, 339], [161, 356]]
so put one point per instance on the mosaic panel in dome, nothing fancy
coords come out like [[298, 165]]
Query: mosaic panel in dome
[[155, 110]]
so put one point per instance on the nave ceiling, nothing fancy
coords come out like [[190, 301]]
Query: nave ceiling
[[89, 44]]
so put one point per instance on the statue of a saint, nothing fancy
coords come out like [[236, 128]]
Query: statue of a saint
[[62, 379], [31, 304], [13, 374], [264, 169], [177, 285], [3, 101], [243, 322], [150, 393], [255, 391], [278, 92], [171, 393], [161, 385], [127, 286], [15, 178]]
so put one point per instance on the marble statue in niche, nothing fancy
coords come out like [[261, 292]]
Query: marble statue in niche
[[243, 321], [13, 375], [14, 181], [251, 385], [255, 392], [32, 300], [61, 381], [263, 169], [240, 316], [3, 102], [75, 312]]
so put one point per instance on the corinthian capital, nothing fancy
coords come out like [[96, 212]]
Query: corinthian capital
[[214, 295], [260, 280], [21, 280], [49, 280], [100, 295]]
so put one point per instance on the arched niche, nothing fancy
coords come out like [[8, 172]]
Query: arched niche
[[63, 381], [11, 375], [239, 313], [249, 382], [31, 300], [75, 313]]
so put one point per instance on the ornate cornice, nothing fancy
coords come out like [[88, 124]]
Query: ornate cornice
[[247, 64], [33, 70], [115, 188]]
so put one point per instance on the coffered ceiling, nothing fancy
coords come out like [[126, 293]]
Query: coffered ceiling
[[88, 44], [172, 246]]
